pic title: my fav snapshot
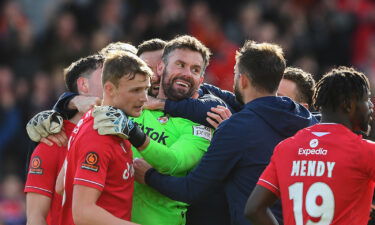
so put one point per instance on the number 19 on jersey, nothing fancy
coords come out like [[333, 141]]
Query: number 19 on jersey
[[323, 209]]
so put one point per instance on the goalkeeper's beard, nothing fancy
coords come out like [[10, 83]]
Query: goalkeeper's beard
[[174, 94]]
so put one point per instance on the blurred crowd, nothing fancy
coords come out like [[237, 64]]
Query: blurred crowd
[[40, 38]]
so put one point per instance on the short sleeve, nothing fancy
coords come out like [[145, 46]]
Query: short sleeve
[[43, 169], [268, 179], [92, 162]]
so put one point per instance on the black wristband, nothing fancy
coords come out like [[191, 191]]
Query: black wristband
[[148, 174], [136, 136]]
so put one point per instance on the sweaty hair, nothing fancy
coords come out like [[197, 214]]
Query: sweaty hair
[[340, 85], [120, 64], [118, 46], [187, 42], [263, 63], [81, 68], [151, 45], [304, 81]]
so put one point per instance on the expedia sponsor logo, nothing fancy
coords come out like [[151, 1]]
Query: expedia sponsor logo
[[154, 135], [307, 151]]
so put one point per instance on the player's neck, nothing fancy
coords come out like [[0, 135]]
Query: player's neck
[[76, 118], [335, 117]]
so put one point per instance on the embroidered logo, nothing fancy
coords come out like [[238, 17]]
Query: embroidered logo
[[163, 119], [35, 166], [91, 162], [202, 131]]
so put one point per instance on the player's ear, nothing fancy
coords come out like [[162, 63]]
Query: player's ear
[[348, 106], [244, 81], [201, 80], [160, 67], [109, 88], [82, 85]]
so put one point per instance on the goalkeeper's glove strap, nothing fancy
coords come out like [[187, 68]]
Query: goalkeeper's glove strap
[[137, 137]]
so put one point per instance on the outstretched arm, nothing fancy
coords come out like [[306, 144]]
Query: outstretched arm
[[228, 97], [213, 168], [194, 109], [69, 104]]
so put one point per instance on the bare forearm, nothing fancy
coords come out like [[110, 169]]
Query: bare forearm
[[37, 207], [263, 217], [36, 220], [95, 215]]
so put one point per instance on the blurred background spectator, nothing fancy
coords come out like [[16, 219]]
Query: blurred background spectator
[[40, 38]]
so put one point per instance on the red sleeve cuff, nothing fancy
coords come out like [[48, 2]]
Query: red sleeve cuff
[[266, 184], [39, 190], [89, 183]]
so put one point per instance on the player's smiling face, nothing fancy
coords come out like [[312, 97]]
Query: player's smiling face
[[183, 74]]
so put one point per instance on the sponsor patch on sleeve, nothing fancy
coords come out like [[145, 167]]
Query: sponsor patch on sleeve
[[202, 131], [36, 166], [91, 162]]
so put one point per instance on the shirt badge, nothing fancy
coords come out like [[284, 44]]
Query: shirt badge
[[35, 166], [163, 119], [203, 132], [91, 162]]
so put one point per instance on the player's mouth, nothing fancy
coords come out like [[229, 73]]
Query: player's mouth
[[182, 83], [138, 108], [155, 87]]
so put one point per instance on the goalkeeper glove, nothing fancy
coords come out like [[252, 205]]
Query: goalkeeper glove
[[43, 124], [113, 121]]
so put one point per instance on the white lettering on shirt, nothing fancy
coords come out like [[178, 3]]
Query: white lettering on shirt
[[312, 168]]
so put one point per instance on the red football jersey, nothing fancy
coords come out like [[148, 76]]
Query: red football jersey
[[104, 162], [324, 175], [45, 164]]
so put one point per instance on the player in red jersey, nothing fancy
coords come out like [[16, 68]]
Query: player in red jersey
[[324, 174], [99, 173], [43, 204]]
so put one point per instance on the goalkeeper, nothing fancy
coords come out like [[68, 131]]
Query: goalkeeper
[[174, 145]]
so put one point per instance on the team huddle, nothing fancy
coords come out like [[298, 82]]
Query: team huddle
[[140, 139]]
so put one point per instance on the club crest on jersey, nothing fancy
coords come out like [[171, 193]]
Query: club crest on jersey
[[202, 131], [163, 119], [35, 166], [91, 162]]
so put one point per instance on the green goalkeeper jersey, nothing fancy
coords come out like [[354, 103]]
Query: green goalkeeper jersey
[[176, 146]]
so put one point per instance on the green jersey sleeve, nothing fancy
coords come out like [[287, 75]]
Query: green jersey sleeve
[[183, 154]]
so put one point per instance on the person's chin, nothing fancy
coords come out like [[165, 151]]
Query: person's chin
[[137, 111]]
